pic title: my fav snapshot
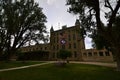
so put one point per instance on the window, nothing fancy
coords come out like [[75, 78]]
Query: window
[[101, 54], [84, 54], [57, 47], [69, 31], [30, 49], [37, 48], [69, 46], [69, 38], [74, 38], [75, 54], [95, 53], [74, 45], [57, 34], [45, 48], [53, 55], [54, 40], [54, 34], [89, 54], [107, 53], [57, 39], [33, 49], [41, 48], [53, 47], [63, 46]]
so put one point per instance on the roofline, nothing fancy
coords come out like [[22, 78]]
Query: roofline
[[64, 29]]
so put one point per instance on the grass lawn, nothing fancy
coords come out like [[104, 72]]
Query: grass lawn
[[11, 64], [69, 72]]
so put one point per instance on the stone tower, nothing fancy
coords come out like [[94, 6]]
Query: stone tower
[[72, 37]]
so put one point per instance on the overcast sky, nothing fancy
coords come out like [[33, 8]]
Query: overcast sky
[[57, 15]]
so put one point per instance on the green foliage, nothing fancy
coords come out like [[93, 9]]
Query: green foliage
[[86, 12], [92, 13], [99, 42], [21, 21], [89, 12], [64, 54], [33, 55]]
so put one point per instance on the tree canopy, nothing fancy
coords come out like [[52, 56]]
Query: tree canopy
[[21, 21], [64, 54], [98, 17]]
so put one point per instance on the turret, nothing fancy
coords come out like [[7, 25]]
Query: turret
[[51, 30], [64, 27], [77, 23]]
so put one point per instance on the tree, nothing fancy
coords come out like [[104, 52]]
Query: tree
[[64, 54], [21, 21], [90, 12]]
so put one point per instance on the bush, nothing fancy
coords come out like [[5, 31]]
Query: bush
[[33, 55], [64, 54]]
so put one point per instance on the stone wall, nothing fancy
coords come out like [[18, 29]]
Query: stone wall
[[97, 55]]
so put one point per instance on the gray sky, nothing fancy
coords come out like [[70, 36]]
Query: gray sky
[[57, 15]]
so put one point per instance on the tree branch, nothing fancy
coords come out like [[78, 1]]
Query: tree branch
[[112, 18], [97, 15], [23, 41], [107, 4]]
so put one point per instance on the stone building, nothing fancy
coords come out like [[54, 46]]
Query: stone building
[[71, 39], [97, 55]]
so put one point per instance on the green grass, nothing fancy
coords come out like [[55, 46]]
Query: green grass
[[69, 72], [11, 64]]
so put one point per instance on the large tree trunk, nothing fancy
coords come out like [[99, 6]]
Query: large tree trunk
[[118, 64], [118, 59], [11, 53], [116, 52]]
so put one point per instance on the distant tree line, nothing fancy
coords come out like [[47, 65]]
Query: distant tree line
[[33, 55]]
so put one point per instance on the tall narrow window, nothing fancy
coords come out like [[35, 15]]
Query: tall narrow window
[[69, 38], [107, 53], [84, 54], [57, 39], [69, 46], [101, 54], [95, 53], [89, 54], [45, 48], [74, 38], [63, 46], [41, 48], [57, 47], [74, 45], [53, 47], [75, 54], [53, 55]]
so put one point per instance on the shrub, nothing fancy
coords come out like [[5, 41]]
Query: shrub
[[64, 54], [33, 55]]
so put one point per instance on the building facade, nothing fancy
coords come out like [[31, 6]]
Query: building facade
[[71, 39]]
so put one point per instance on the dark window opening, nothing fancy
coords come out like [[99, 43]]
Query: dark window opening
[[63, 46], [75, 54], [69, 46], [101, 54], [89, 54], [74, 45], [84, 54], [107, 53], [95, 53]]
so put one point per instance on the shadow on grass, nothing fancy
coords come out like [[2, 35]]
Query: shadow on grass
[[69, 72]]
